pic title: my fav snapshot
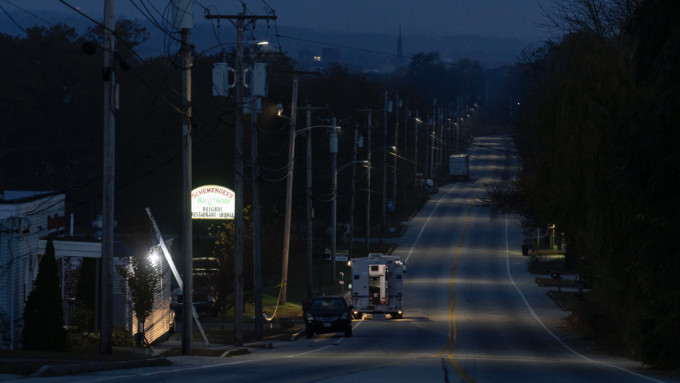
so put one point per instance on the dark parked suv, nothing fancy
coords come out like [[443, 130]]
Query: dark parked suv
[[328, 314]]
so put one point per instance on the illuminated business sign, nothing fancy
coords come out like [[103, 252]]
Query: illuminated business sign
[[212, 202]]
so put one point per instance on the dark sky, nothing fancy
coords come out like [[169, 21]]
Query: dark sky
[[493, 32], [498, 18], [505, 18]]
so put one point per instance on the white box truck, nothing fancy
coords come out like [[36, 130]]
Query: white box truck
[[377, 285], [459, 166]]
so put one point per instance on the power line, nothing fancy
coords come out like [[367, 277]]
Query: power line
[[23, 10]]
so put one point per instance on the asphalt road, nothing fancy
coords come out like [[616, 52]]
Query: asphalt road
[[473, 313]]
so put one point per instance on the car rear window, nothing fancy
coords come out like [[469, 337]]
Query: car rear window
[[327, 304]]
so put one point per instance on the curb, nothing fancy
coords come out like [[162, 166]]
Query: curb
[[70, 369], [234, 352], [297, 335]]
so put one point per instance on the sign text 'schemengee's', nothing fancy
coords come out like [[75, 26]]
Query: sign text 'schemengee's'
[[212, 202]]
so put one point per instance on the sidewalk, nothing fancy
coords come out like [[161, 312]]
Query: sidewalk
[[21, 364]]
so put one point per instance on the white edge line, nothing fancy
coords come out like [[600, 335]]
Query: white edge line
[[533, 313], [410, 252]]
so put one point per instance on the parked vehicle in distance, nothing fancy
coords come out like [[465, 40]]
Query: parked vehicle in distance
[[426, 184], [328, 314], [459, 166]]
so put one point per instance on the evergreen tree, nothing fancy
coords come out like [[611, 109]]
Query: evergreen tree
[[43, 314]]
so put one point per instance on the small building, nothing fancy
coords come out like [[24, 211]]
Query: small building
[[70, 252], [25, 217]]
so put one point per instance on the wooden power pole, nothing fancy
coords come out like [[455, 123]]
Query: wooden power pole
[[240, 21]]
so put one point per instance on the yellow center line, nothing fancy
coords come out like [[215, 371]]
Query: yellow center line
[[453, 329]]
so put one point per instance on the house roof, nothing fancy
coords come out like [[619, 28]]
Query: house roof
[[16, 196]]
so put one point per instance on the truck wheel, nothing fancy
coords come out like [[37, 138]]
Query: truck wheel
[[348, 331]]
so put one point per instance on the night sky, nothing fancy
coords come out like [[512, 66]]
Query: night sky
[[498, 18]]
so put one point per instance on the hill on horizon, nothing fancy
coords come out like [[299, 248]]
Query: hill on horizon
[[366, 51]]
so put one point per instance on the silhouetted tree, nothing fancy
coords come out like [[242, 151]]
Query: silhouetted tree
[[142, 279], [44, 313]]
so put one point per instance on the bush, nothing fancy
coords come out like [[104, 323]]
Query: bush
[[122, 337], [83, 343]]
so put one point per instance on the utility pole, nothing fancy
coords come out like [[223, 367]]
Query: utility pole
[[368, 186], [458, 124], [183, 20], [441, 141], [289, 186], [368, 180], [106, 338], [310, 223], [240, 23], [310, 212], [289, 190], [407, 114], [257, 252], [187, 227], [396, 135], [415, 145], [334, 196], [351, 206], [434, 129], [238, 183], [257, 90], [384, 163]]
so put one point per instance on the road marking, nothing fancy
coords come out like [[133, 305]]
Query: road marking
[[453, 329], [552, 334], [230, 363], [451, 189], [410, 252]]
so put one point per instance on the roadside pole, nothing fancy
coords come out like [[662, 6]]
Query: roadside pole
[[106, 338]]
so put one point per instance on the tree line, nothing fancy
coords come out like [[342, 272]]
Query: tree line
[[599, 146]]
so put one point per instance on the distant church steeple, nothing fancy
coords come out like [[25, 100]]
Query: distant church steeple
[[400, 47]]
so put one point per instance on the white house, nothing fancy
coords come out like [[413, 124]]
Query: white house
[[25, 217], [70, 252]]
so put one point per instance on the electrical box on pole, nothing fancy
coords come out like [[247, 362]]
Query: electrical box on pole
[[223, 79]]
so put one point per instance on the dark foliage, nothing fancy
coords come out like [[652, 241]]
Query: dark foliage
[[43, 314], [599, 145], [86, 289]]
